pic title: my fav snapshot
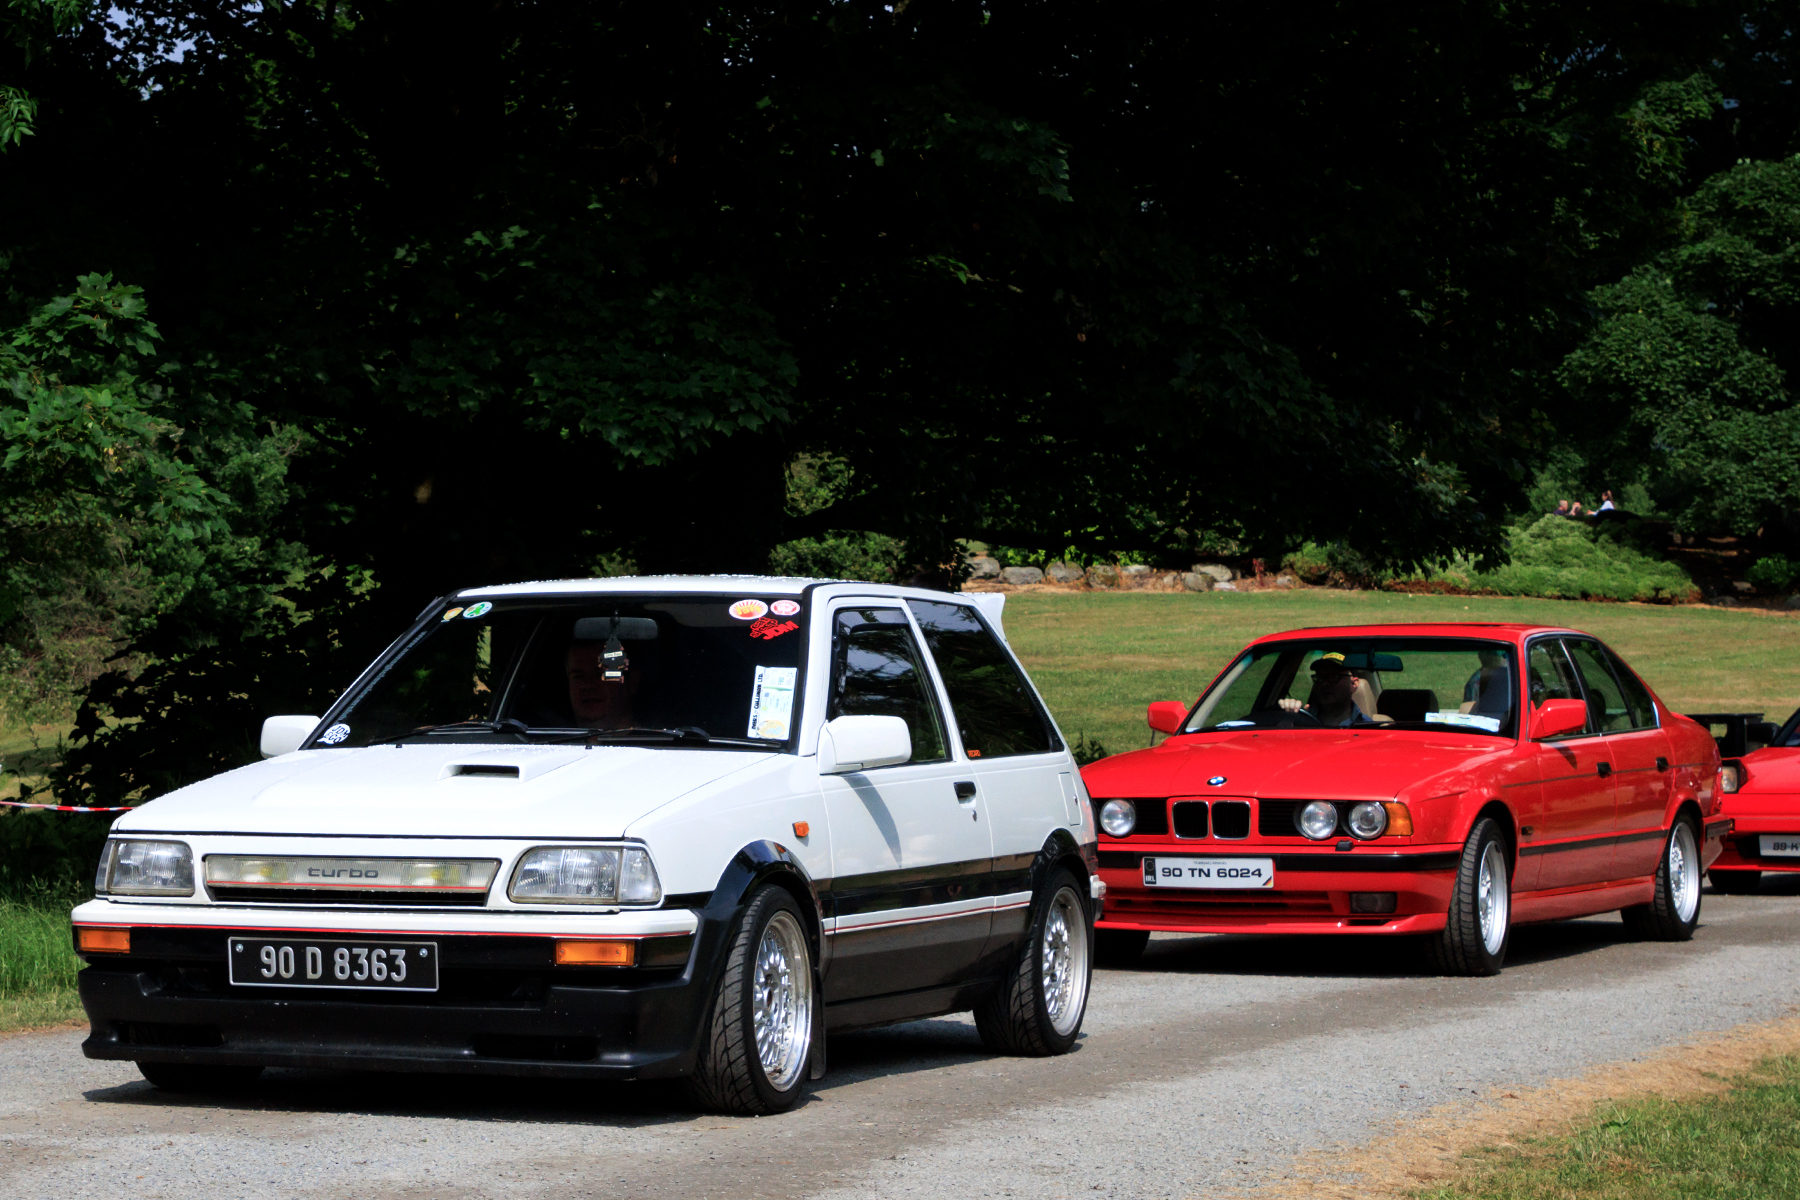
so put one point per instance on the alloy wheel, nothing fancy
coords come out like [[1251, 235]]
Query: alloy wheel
[[781, 1001]]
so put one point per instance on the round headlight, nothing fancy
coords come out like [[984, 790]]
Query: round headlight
[[1368, 820], [1118, 817], [1318, 820]]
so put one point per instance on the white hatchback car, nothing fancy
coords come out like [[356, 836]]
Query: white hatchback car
[[616, 829]]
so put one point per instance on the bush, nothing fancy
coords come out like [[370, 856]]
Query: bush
[[1561, 559], [867, 557], [1773, 572], [48, 849], [1335, 565]]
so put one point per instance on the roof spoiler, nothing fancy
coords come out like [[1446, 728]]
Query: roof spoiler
[[992, 604]]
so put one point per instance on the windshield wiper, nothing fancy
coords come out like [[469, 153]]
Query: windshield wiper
[[508, 725], [690, 734]]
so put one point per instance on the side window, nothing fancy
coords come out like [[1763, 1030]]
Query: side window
[[1637, 696], [992, 704], [876, 671], [1606, 703], [1549, 673]]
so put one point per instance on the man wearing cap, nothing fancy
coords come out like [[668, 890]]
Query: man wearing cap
[[1333, 700]]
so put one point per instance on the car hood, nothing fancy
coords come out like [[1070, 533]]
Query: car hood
[[428, 791], [1772, 777], [1294, 765]]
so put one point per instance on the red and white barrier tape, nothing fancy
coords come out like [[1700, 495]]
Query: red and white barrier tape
[[60, 807]]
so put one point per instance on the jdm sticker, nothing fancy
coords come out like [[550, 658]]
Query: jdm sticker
[[785, 608], [768, 628], [452, 612], [748, 610], [477, 610], [335, 734]]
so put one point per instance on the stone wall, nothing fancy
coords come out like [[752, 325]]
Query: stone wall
[[1201, 577]]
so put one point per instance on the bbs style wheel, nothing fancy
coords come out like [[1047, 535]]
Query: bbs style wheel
[[1037, 1009], [759, 1034], [1479, 923], [199, 1080], [1735, 883], [1674, 911]]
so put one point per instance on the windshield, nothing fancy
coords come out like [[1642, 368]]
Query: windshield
[[653, 669], [1389, 683]]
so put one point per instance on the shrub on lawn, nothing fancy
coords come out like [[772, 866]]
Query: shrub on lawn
[[1560, 559]]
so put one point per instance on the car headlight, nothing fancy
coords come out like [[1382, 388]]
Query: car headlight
[[133, 868], [1118, 817], [1731, 777], [586, 875], [1368, 820], [1319, 820]]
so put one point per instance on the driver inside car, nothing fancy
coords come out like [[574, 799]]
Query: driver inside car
[[595, 701], [1340, 697]]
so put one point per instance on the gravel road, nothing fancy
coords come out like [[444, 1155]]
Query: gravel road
[[1209, 1066]]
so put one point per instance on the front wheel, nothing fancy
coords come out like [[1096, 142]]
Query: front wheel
[[759, 1034], [198, 1079], [1479, 923], [1674, 910], [1037, 1008], [1735, 883]]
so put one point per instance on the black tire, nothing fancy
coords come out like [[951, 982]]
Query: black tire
[[1119, 947], [1674, 911], [1476, 934], [731, 1076], [1735, 883], [1027, 1013], [198, 1079]]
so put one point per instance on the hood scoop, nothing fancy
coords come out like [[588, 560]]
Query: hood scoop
[[489, 770], [523, 763]]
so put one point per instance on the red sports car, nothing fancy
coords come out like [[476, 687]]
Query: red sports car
[[1446, 780], [1762, 796]]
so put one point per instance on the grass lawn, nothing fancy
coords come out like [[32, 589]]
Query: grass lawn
[[1099, 657], [1743, 1145], [37, 965]]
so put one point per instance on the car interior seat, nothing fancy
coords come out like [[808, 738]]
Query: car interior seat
[[1407, 704]]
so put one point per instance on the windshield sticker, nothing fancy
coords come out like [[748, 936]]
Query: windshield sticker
[[451, 612], [768, 628], [785, 608], [477, 610], [1467, 720], [748, 610], [772, 702], [335, 734]]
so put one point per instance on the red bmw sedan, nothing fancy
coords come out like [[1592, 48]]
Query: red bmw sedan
[[1448, 781]]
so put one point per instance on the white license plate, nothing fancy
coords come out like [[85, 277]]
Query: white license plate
[[1234, 873], [1781, 845]]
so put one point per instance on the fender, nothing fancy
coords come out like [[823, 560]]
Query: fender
[[1058, 848]]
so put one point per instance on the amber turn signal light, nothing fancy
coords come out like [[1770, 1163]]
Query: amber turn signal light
[[801, 829], [1399, 820], [103, 941], [595, 954]]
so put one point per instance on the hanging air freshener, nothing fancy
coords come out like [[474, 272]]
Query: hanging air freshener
[[613, 661]]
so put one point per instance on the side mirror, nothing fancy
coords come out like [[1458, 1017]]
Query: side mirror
[[1166, 716], [862, 744], [283, 735], [1554, 718]]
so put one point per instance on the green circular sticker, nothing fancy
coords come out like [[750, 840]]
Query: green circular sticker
[[476, 610]]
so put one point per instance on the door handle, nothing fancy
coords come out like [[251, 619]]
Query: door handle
[[965, 790], [1662, 764], [1605, 769]]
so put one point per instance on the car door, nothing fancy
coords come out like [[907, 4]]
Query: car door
[[1572, 831], [911, 891], [1636, 750], [1009, 748]]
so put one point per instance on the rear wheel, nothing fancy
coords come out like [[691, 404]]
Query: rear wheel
[[1674, 910], [189, 1077], [758, 1037], [1735, 883], [1037, 1008], [1479, 923], [1119, 947]]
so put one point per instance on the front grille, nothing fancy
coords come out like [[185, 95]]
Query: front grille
[[1217, 903], [386, 899], [1152, 814], [1230, 819], [1190, 818]]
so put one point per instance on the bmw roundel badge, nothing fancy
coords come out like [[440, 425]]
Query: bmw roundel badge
[[1216, 781]]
